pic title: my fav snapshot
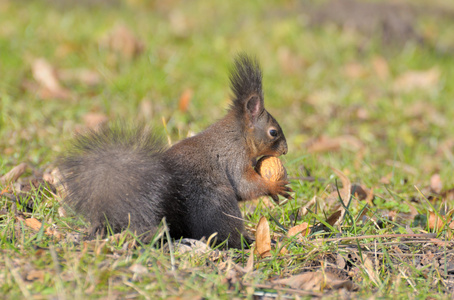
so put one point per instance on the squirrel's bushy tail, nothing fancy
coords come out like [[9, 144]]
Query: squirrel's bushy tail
[[114, 176]]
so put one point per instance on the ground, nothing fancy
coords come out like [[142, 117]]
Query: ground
[[362, 90]]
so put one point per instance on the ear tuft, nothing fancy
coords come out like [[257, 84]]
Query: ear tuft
[[245, 78]]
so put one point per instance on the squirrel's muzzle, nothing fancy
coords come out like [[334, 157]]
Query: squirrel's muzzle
[[283, 149]]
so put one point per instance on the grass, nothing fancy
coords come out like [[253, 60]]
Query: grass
[[321, 81]]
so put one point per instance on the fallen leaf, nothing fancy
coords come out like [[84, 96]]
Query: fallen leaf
[[13, 174], [340, 262], [354, 70], [50, 231], [46, 76], [448, 195], [250, 263], [263, 238], [33, 224], [94, 120], [33, 275], [304, 209], [421, 80], [83, 76], [386, 179], [435, 222], [281, 246], [334, 218], [381, 68], [178, 23], [316, 281], [436, 184], [346, 189], [185, 99], [298, 229], [361, 192], [121, 40], [370, 269], [146, 109], [138, 269], [345, 194]]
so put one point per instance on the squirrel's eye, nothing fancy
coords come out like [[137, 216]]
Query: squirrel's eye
[[273, 132]]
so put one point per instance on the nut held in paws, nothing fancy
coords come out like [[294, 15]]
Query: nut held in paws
[[271, 168]]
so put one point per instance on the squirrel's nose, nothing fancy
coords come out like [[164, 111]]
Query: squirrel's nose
[[284, 147]]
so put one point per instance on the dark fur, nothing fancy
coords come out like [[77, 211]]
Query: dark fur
[[125, 177]]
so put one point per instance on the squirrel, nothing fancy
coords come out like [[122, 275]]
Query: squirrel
[[122, 177]]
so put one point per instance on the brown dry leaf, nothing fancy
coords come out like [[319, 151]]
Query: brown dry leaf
[[185, 100], [448, 195], [436, 185], [381, 68], [344, 192], [83, 76], [121, 40], [361, 192], [94, 120], [370, 269], [46, 76], [315, 281], [50, 231], [178, 23], [304, 209], [386, 179], [36, 225], [283, 250], [334, 218], [422, 80], [346, 189], [13, 174], [354, 70], [250, 263], [263, 238], [146, 109], [138, 269], [324, 144], [340, 262], [33, 275], [435, 222], [33, 224], [451, 225], [298, 229]]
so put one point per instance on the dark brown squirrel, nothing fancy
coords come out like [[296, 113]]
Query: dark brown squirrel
[[122, 177]]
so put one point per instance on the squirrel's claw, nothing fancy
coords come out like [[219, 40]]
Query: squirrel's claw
[[282, 189]]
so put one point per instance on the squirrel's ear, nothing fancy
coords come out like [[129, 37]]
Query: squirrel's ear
[[254, 107]]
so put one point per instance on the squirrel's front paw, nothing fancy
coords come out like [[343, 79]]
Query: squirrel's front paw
[[280, 188]]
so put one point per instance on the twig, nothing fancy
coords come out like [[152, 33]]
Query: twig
[[14, 173], [394, 235], [287, 290]]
